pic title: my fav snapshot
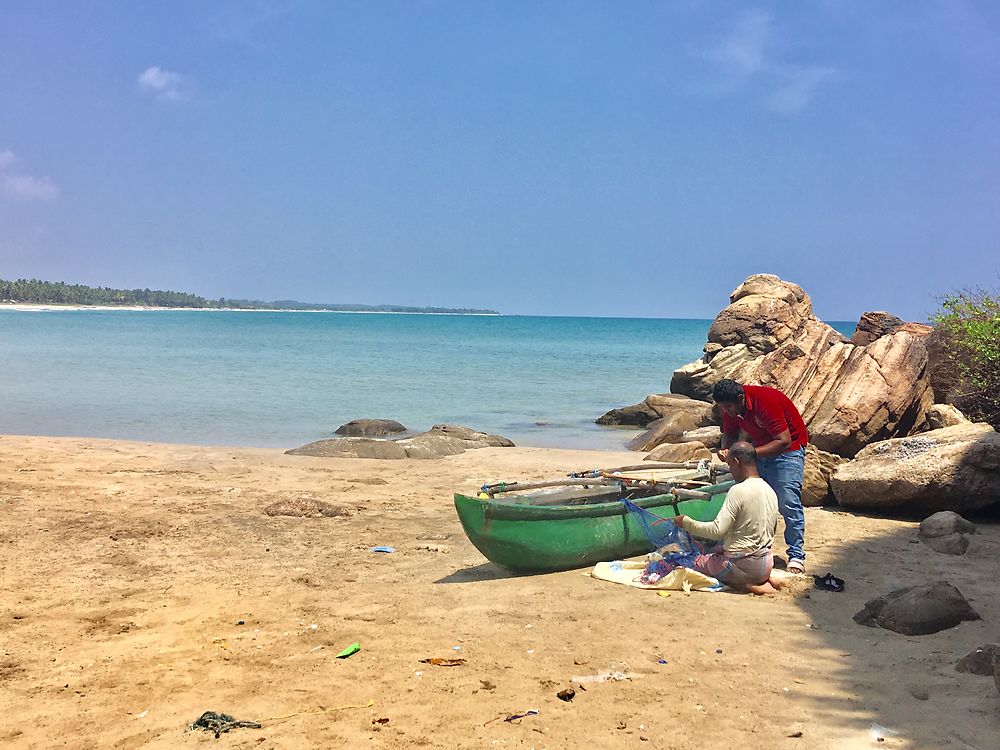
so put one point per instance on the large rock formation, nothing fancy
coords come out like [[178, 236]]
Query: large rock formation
[[439, 441], [954, 468], [849, 395]]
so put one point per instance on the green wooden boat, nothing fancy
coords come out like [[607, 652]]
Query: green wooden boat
[[571, 527]]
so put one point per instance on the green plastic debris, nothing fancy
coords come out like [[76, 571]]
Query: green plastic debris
[[352, 649]]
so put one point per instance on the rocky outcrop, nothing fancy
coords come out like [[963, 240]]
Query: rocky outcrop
[[679, 415], [996, 670], [441, 440], [370, 428], [849, 395], [918, 610], [944, 415], [945, 532], [954, 468], [680, 410], [819, 467], [874, 325], [680, 452]]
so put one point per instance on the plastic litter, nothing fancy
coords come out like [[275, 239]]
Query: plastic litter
[[349, 651], [529, 712], [218, 723], [566, 695], [878, 733], [384, 548]]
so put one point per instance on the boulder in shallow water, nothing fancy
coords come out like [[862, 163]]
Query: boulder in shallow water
[[918, 610], [439, 441], [954, 468], [679, 415], [680, 452], [979, 660], [370, 428], [637, 415]]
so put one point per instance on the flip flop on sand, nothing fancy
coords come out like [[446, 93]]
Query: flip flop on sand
[[829, 582]]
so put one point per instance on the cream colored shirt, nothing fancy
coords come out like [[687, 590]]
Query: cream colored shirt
[[747, 520]]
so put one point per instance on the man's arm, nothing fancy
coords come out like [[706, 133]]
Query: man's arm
[[773, 420], [777, 446]]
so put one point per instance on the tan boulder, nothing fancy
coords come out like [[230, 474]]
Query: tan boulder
[[953, 468], [819, 467], [680, 452], [944, 415], [679, 414], [683, 409], [849, 395], [710, 437]]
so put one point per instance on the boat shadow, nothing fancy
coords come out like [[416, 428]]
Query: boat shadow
[[486, 571]]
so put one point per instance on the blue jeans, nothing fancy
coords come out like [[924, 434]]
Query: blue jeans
[[784, 473]]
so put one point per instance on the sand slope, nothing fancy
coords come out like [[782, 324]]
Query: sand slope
[[125, 568]]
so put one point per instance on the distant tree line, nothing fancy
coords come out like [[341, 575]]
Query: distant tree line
[[34, 291]]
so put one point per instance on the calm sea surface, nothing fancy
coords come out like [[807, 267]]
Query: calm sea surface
[[281, 379]]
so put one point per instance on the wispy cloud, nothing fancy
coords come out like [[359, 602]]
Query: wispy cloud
[[165, 85], [22, 185], [742, 50], [31, 188], [747, 53]]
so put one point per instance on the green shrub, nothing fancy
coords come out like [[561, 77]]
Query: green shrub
[[967, 333]]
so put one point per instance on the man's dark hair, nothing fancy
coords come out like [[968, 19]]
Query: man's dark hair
[[745, 453], [727, 390]]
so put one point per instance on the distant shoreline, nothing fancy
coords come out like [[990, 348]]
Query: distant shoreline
[[53, 307]]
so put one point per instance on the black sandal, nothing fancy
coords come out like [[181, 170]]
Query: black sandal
[[829, 582]]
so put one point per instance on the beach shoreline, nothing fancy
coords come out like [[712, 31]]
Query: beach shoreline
[[143, 584]]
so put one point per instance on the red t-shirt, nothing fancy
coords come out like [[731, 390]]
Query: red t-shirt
[[768, 413]]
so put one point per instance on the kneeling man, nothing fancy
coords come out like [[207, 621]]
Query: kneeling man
[[745, 524]]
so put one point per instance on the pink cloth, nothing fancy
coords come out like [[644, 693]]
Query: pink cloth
[[738, 572]]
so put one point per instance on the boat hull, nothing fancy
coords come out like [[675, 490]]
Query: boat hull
[[528, 538]]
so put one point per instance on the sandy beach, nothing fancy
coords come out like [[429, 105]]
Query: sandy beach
[[143, 584]]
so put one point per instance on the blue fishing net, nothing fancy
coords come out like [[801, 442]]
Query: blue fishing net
[[675, 548]]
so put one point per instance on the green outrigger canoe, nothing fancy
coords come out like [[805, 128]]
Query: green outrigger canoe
[[530, 529]]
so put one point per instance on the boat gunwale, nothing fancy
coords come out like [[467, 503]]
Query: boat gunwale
[[502, 510]]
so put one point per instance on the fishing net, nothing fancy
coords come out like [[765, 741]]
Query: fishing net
[[675, 548]]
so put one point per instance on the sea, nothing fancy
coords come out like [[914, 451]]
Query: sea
[[281, 379]]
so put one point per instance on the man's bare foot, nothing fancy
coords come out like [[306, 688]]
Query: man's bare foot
[[779, 581], [763, 588]]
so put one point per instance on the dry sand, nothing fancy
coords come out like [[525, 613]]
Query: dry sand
[[127, 568]]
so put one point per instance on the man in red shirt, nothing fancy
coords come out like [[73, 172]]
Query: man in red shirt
[[774, 426]]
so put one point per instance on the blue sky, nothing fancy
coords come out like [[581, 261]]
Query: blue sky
[[578, 158]]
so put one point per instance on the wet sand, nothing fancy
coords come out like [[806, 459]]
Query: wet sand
[[127, 569]]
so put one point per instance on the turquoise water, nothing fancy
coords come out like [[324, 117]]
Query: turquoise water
[[280, 379]]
